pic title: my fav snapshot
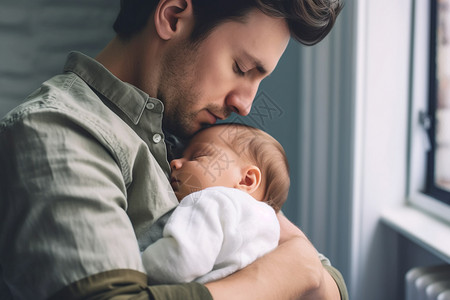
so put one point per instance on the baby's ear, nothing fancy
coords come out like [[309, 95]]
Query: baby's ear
[[251, 179]]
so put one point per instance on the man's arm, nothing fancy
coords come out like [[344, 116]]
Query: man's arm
[[292, 271]]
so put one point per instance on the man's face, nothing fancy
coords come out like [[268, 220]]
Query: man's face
[[202, 84], [208, 161]]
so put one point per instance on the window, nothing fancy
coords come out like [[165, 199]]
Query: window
[[438, 162], [429, 173]]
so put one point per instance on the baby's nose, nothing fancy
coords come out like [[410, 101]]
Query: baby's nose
[[175, 164]]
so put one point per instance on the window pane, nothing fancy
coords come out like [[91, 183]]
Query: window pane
[[442, 154]]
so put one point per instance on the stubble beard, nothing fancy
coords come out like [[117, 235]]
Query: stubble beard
[[177, 90], [180, 93]]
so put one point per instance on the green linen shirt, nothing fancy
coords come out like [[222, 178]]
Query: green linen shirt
[[83, 176]]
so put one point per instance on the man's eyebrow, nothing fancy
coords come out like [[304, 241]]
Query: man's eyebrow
[[256, 63]]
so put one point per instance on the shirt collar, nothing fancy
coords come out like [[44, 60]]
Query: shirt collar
[[126, 97]]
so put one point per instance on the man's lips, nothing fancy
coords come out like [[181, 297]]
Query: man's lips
[[215, 113], [212, 117]]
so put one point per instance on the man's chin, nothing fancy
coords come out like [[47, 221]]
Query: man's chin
[[181, 131], [185, 132]]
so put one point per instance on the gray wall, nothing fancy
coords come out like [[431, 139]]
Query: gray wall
[[37, 35]]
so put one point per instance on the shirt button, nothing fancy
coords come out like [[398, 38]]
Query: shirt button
[[156, 138], [150, 106]]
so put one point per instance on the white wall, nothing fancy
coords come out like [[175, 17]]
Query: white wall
[[380, 257], [382, 91]]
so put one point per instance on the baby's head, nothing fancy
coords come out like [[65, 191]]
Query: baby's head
[[236, 156]]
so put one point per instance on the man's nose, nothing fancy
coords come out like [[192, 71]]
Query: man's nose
[[240, 100]]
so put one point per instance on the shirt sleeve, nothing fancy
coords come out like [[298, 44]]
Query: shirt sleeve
[[337, 276], [129, 284], [63, 216]]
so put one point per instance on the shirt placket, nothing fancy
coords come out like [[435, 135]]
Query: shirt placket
[[151, 123]]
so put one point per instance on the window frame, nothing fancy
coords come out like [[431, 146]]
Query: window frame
[[421, 193], [431, 188]]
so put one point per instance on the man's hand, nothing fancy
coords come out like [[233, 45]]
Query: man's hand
[[292, 271], [326, 288]]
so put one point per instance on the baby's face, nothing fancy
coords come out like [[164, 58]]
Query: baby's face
[[207, 161]]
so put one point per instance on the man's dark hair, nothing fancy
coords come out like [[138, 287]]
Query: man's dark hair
[[309, 21]]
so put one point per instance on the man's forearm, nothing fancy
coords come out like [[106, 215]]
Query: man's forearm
[[292, 271], [326, 290]]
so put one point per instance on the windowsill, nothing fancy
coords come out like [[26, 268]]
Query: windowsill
[[429, 232]]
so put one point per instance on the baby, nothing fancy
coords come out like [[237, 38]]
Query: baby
[[230, 181]]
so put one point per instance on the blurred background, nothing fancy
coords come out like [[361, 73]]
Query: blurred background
[[341, 109]]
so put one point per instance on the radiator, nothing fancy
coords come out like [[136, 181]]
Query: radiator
[[428, 283]]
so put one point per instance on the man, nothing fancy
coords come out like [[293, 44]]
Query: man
[[84, 162]]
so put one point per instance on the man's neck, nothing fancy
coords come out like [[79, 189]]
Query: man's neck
[[135, 62]]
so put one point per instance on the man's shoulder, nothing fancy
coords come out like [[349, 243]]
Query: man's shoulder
[[54, 95], [65, 106]]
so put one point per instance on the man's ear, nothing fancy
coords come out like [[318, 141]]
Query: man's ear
[[170, 16], [251, 179]]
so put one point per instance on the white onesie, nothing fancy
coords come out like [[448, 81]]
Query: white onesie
[[211, 234]]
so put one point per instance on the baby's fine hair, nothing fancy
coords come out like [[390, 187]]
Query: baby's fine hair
[[267, 154]]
